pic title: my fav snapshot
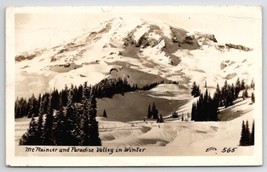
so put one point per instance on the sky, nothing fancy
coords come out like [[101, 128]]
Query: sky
[[49, 27]]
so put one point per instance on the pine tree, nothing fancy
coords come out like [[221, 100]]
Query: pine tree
[[206, 108], [40, 125], [38, 104], [195, 90], [45, 102], [174, 114], [89, 131], [217, 96], [149, 112], [233, 96], [79, 93], [206, 111], [59, 126], [242, 87], [64, 96], [252, 84], [55, 99], [245, 94], [71, 123], [40, 128], [94, 140], [22, 108], [154, 111], [252, 97], [32, 103], [160, 119], [105, 114], [247, 137], [194, 112], [237, 88], [252, 136], [47, 138], [243, 135], [205, 86], [247, 134], [30, 137], [84, 136]]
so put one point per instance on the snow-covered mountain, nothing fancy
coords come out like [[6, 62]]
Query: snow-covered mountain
[[145, 52], [139, 50]]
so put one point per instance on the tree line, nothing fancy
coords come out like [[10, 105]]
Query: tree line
[[105, 88]]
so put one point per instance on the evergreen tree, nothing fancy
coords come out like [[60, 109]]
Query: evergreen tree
[[89, 131], [242, 87], [206, 108], [30, 137], [243, 135], [233, 92], [55, 99], [195, 90], [84, 137], [105, 114], [174, 114], [149, 112], [205, 86], [247, 137], [64, 96], [38, 104], [252, 84], [71, 123], [94, 140], [45, 101], [247, 132], [252, 136], [217, 96], [59, 126], [79, 93], [154, 111], [40, 128], [245, 94], [160, 119], [194, 112], [237, 88], [252, 97], [47, 138], [32, 104], [21, 108]]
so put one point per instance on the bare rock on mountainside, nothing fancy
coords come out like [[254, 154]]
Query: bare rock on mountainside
[[239, 47]]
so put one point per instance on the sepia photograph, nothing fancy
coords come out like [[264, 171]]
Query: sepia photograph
[[142, 86]]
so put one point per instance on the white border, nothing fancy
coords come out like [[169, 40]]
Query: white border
[[13, 160]]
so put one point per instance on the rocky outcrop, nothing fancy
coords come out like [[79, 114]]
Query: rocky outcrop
[[205, 39], [29, 55], [239, 47]]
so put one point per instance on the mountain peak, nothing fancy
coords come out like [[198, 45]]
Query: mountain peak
[[137, 49]]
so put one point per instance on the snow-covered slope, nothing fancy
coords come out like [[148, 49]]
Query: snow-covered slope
[[177, 137], [133, 45]]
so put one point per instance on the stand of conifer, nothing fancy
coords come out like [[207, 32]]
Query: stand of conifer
[[247, 137], [152, 112], [206, 108], [69, 126]]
